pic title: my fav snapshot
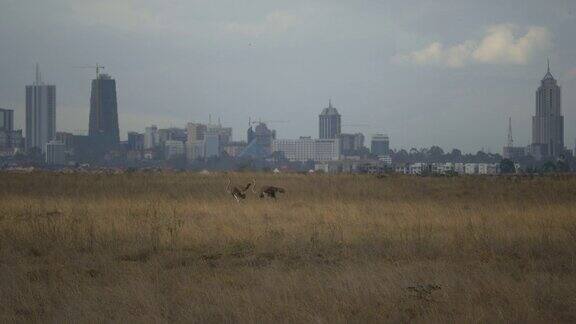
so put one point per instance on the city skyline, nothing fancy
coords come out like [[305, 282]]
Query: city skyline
[[415, 75], [329, 119]]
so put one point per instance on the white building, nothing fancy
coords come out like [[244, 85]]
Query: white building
[[471, 168], [326, 167], [443, 168], [173, 148], [151, 137], [305, 149], [387, 159], [55, 153], [488, 168], [418, 168], [404, 169], [459, 168]]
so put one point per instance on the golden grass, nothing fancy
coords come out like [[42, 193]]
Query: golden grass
[[164, 247]]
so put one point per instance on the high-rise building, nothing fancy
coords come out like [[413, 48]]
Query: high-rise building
[[173, 148], [249, 134], [195, 150], [55, 153], [211, 145], [11, 140], [548, 122], [259, 145], [195, 131], [6, 120], [135, 141], [40, 113], [172, 133], [351, 143], [104, 112], [330, 124], [151, 137], [380, 145], [224, 134], [68, 140]]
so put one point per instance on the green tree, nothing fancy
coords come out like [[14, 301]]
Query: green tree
[[507, 166]]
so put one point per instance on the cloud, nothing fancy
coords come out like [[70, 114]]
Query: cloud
[[273, 23], [500, 45], [571, 74], [124, 14]]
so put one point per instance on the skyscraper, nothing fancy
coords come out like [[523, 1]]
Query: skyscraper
[[151, 137], [103, 126], [135, 141], [195, 131], [380, 145], [548, 122], [330, 124], [40, 113], [6, 120]]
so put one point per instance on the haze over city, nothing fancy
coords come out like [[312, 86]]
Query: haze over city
[[445, 73], [298, 161]]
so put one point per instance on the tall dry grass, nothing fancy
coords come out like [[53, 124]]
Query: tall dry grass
[[164, 247]]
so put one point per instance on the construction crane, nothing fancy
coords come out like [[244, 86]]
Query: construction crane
[[98, 67]]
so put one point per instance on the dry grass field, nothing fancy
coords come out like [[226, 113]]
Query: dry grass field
[[173, 247]]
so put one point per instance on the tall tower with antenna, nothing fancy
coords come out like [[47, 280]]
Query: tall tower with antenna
[[510, 142], [548, 122], [509, 151], [103, 122], [40, 113]]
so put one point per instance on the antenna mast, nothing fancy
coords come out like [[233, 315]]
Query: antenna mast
[[38, 76], [510, 139]]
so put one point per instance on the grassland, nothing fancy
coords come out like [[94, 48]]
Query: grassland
[[165, 247]]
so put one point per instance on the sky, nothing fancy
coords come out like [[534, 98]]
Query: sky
[[425, 72]]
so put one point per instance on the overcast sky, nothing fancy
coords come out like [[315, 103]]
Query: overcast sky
[[424, 71]]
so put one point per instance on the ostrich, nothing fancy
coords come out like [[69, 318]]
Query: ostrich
[[268, 191], [237, 193]]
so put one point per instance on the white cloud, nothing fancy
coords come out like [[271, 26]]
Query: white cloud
[[571, 74], [273, 23], [125, 14], [500, 45]]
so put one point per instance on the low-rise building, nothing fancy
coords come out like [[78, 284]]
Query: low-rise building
[[488, 168], [55, 153], [471, 168], [387, 159], [306, 149], [173, 148], [459, 168]]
